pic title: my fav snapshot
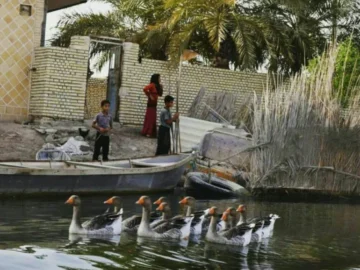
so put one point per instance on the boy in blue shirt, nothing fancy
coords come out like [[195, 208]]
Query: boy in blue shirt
[[103, 123], [166, 120]]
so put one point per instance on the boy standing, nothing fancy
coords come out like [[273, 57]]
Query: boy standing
[[166, 120], [103, 124]]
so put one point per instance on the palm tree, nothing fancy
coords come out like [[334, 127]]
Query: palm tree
[[285, 34], [126, 20], [221, 28]]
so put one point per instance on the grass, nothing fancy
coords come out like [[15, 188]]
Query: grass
[[314, 145]]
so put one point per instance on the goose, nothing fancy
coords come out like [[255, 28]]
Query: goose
[[269, 221], [236, 230], [167, 222], [110, 225], [237, 238], [199, 222], [131, 224], [163, 208], [96, 222], [264, 226], [146, 231], [229, 222], [155, 216]]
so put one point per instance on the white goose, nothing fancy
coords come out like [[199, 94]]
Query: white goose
[[238, 236], [110, 225], [260, 232], [200, 223], [131, 224], [145, 230], [97, 222]]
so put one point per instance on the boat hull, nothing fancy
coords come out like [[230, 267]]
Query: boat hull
[[80, 181]]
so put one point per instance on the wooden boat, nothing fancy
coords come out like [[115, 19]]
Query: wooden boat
[[138, 175]]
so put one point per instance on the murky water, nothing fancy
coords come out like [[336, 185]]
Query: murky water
[[34, 235]]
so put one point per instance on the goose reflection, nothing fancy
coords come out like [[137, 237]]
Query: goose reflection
[[87, 239], [214, 253], [141, 241]]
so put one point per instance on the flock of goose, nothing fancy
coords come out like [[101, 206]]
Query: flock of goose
[[219, 228]]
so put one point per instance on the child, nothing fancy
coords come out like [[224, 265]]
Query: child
[[166, 120], [103, 124]]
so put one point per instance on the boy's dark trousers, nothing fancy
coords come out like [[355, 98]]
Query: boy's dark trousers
[[101, 142], [164, 141]]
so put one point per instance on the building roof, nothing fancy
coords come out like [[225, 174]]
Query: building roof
[[60, 4]]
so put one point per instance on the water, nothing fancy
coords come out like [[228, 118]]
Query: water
[[34, 235]]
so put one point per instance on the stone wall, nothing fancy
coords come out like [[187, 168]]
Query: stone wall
[[136, 75], [95, 93], [19, 34], [59, 82]]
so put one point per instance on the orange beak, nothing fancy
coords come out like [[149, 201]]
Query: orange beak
[[241, 208], [183, 201], [70, 201], [109, 201], [158, 202], [160, 208], [141, 201], [224, 216]]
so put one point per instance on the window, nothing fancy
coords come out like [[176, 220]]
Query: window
[[25, 10]]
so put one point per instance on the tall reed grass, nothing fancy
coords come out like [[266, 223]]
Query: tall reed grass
[[314, 143]]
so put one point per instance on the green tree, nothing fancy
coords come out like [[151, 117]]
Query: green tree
[[346, 79], [245, 34], [347, 71]]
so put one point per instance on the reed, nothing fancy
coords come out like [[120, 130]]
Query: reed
[[314, 143]]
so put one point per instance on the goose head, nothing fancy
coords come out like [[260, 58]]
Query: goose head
[[74, 200], [145, 202], [163, 207], [188, 201], [241, 208], [160, 201], [212, 211], [225, 216], [115, 201], [231, 211]]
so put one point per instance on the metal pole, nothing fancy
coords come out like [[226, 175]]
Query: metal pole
[[177, 126]]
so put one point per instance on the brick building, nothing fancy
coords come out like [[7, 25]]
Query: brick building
[[22, 26]]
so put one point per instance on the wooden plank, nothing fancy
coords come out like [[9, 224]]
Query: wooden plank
[[19, 166], [91, 165]]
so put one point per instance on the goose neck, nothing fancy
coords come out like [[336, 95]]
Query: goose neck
[[189, 211], [145, 219], [242, 217], [212, 226], [76, 217]]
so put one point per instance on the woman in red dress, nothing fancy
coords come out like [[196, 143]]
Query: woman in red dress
[[152, 91]]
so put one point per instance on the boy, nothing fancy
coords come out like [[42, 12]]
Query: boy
[[103, 124], [166, 120]]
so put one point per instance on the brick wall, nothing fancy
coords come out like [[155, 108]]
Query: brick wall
[[136, 75], [59, 83], [19, 34], [95, 93]]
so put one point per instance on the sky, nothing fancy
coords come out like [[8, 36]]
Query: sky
[[54, 17]]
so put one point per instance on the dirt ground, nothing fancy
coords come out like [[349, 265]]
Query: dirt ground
[[20, 143]]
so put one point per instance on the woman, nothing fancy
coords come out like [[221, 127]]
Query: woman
[[152, 91]]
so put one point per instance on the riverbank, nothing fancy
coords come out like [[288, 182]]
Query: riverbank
[[21, 142]]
